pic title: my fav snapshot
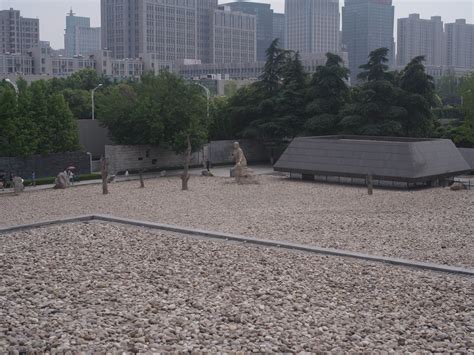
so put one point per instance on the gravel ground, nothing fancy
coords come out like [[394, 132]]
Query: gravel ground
[[92, 286], [429, 225]]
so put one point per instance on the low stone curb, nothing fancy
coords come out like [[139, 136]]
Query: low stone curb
[[22, 227], [242, 239]]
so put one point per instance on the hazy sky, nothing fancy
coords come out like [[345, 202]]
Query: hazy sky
[[52, 12]]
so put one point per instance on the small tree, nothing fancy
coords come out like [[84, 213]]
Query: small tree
[[104, 171], [160, 110], [187, 126]]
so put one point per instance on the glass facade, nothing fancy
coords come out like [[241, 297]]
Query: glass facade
[[367, 25], [264, 15], [312, 26], [80, 38]]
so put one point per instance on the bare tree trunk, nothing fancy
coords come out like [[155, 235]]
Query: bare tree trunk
[[187, 161], [142, 182], [370, 186], [104, 169]]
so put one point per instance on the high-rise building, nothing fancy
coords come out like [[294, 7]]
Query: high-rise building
[[17, 34], [173, 29], [366, 26], [205, 10], [460, 44], [279, 29], [80, 38], [119, 23], [264, 15], [417, 37], [233, 36], [312, 26]]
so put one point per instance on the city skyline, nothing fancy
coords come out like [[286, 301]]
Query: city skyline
[[51, 29]]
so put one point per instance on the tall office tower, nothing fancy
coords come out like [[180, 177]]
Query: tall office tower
[[367, 25], [312, 26], [279, 28], [264, 15], [460, 44], [119, 23], [80, 38], [420, 37], [233, 38], [173, 29], [17, 34], [205, 10]]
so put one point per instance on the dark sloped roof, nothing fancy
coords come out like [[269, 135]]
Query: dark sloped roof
[[404, 159], [468, 155]]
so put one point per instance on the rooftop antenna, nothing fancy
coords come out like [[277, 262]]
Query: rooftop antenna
[[71, 13]]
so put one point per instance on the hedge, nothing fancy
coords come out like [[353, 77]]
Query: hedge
[[50, 180]]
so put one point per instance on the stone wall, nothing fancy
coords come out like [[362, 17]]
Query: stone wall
[[93, 138], [46, 165], [468, 155], [145, 157]]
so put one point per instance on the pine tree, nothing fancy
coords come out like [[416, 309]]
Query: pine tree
[[272, 75], [375, 108], [328, 92], [418, 99]]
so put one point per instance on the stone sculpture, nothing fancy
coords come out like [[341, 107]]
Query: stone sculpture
[[18, 184], [62, 181], [458, 186], [240, 171]]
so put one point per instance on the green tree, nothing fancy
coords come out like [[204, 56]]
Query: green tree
[[280, 106], [376, 68], [86, 79], [328, 92], [63, 126], [79, 101], [27, 132], [116, 110], [418, 98], [290, 101], [220, 126], [8, 126], [35, 122], [463, 136], [37, 111], [242, 109], [375, 108], [160, 110], [273, 71], [183, 107], [447, 87]]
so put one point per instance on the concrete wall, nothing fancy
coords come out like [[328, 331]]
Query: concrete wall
[[134, 158], [146, 157], [93, 137], [468, 155], [45, 166]]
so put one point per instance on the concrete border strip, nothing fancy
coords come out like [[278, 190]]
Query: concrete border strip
[[255, 241], [22, 227]]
